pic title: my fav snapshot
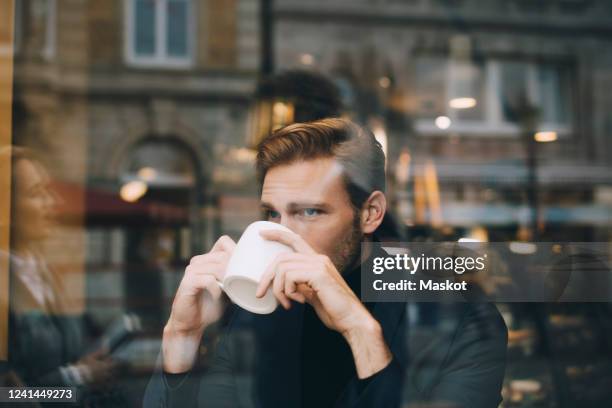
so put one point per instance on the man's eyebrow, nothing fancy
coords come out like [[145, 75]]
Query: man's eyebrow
[[304, 204], [295, 205]]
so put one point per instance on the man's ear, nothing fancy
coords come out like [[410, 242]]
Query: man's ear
[[373, 211]]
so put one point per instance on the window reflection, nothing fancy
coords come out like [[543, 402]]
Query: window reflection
[[144, 115]]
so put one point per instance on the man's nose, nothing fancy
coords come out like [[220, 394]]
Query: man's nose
[[286, 222]]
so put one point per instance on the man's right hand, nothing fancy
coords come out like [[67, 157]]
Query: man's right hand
[[196, 305]]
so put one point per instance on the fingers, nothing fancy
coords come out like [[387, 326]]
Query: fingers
[[278, 289], [224, 243], [267, 277], [210, 284], [292, 289], [271, 271], [198, 282], [290, 239], [289, 278], [213, 263]]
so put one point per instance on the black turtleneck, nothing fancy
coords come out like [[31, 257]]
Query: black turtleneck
[[327, 360]]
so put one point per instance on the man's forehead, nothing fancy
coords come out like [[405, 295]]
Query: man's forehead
[[311, 181]]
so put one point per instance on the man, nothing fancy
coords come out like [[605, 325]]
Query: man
[[323, 347]]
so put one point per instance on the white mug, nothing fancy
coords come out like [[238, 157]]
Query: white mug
[[248, 262]]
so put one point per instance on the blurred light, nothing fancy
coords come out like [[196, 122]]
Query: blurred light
[[380, 134], [476, 234], [267, 115], [280, 109], [402, 167], [133, 190], [523, 248], [544, 137], [462, 103], [443, 122], [384, 82], [432, 190], [147, 173], [243, 154], [307, 59]]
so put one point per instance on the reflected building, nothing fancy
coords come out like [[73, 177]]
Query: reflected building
[[480, 103], [140, 109]]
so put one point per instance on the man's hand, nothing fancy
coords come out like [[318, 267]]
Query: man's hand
[[196, 305], [306, 276]]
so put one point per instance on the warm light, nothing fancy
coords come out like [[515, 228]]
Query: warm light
[[147, 173], [443, 122], [522, 248], [476, 234], [280, 109], [307, 59], [544, 137], [432, 190], [243, 154], [462, 103], [133, 190], [380, 134], [384, 82], [402, 167]]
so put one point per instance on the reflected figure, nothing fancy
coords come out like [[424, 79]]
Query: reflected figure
[[46, 340]]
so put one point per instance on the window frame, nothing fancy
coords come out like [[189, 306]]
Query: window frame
[[48, 52], [160, 59], [493, 122], [49, 49]]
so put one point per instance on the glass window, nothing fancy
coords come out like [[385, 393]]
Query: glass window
[[554, 94], [177, 24], [488, 96], [159, 32], [34, 27], [513, 88], [467, 82], [545, 86], [430, 86], [145, 28]]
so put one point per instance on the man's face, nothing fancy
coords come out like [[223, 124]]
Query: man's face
[[310, 198]]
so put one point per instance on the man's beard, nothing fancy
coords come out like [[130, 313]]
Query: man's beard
[[349, 247]]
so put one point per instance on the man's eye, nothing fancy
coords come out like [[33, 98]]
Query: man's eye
[[310, 212], [272, 214]]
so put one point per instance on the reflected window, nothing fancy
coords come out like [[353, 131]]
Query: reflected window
[[159, 32], [488, 96], [545, 86], [431, 86], [35, 27]]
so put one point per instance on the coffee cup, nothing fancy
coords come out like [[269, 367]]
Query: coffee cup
[[248, 263]]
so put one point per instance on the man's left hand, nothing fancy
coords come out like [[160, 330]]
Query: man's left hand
[[306, 276]]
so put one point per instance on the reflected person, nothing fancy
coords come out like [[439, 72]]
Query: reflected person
[[325, 181], [46, 339]]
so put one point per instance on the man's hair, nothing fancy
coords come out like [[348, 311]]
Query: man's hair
[[354, 148]]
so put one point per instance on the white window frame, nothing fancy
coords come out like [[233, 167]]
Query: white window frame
[[160, 58], [48, 51], [493, 122]]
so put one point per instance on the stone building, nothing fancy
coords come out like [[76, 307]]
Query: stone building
[[522, 68], [124, 93]]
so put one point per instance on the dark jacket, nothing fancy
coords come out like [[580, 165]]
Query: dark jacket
[[463, 365]]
